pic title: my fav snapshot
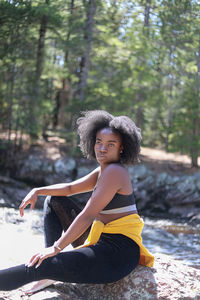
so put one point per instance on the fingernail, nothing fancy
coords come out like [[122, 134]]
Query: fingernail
[[36, 266], [29, 265]]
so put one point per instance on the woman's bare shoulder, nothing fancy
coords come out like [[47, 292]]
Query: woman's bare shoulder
[[116, 170]]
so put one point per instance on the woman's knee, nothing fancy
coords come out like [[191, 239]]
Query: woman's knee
[[54, 202], [46, 205]]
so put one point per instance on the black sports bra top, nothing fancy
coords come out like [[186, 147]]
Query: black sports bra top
[[119, 204]]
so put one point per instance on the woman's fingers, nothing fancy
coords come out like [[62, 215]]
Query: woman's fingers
[[32, 205], [33, 260], [21, 208], [39, 257], [40, 261], [31, 199]]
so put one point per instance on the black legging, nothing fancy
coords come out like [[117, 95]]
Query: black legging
[[110, 259], [59, 213]]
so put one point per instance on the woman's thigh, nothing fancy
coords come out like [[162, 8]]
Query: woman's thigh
[[112, 258]]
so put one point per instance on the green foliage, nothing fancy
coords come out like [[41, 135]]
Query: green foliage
[[143, 62]]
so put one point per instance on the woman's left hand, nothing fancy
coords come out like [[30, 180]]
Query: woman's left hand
[[42, 255]]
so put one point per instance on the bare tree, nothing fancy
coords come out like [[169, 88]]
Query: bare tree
[[194, 150], [86, 58], [139, 96], [37, 76]]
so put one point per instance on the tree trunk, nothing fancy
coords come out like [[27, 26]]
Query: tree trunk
[[38, 72], [65, 91], [140, 110], [40, 50], [169, 108], [85, 60], [194, 151], [147, 13], [10, 97], [69, 33], [20, 106]]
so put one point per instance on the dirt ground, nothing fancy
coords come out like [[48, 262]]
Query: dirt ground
[[161, 161]]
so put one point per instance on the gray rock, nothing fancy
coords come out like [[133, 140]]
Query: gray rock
[[196, 218], [164, 179], [187, 211], [82, 171], [185, 184], [197, 176], [147, 183], [142, 198], [64, 166], [198, 185], [11, 196], [54, 178], [139, 171], [47, 166], [192, 198], [161, 179], [7, 181], [33, 163]]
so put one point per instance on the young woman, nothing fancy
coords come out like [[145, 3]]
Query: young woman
[[114, 246]]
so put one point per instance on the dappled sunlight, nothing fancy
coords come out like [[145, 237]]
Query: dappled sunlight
[[157, 154]]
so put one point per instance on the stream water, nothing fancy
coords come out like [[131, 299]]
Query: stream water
[[21, 237]]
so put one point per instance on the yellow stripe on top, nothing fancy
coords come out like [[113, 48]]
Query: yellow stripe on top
[[130, 226]]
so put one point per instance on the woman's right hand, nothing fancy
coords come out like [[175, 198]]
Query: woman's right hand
[[31, 199]]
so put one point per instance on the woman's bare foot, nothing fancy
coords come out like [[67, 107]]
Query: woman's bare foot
[[38, 285]]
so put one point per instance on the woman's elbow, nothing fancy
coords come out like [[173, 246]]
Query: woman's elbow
[[88, 216]]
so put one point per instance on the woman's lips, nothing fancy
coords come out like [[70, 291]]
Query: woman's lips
[[101, 155]]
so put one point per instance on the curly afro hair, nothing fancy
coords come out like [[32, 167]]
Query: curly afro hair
[[92, 121]]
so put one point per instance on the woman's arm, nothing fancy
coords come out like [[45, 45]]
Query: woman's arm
[[110, 182], [81, 185]]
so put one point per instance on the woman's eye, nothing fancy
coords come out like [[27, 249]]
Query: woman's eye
[[111, 145]]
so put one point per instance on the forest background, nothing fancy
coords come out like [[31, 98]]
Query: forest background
[[138, 58]]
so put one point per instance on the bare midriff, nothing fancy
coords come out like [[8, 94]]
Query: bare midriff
[[111, 217]]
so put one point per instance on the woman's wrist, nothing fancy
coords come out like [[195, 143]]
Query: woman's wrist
[[60, 189], [36, 191], [56, 247]]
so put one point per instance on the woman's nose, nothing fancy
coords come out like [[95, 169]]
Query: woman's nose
[[103, 148]]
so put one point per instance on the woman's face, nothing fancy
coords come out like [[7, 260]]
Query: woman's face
[[108, 146]]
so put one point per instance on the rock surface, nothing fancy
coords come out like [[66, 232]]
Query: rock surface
[[168, 280], [11, 192], [161, 193]]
